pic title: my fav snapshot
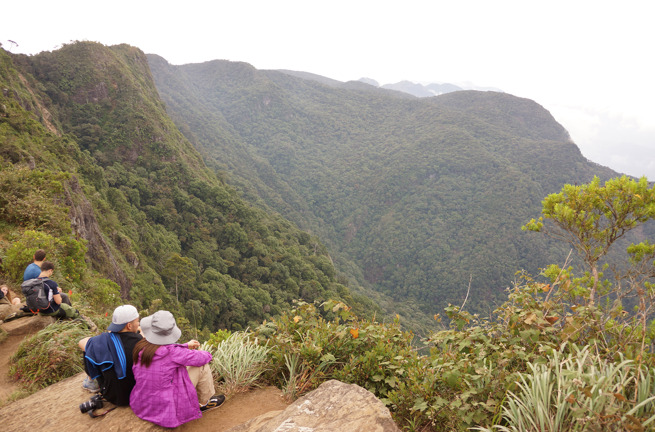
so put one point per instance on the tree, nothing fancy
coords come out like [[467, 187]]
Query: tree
[[592, 217], [181, 271]]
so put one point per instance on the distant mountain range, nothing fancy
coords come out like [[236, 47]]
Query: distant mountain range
[[413, 196], [425, 90], [412, 88], [201, 174]]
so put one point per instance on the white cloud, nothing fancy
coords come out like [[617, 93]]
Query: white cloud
[[622, 142]]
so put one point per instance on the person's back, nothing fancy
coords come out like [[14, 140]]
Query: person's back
[[34, 269], [167, 382], [60, 306], [174, 383], [114, 347]]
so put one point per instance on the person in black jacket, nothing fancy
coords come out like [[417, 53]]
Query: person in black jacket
[[60, 304], [108, 356]]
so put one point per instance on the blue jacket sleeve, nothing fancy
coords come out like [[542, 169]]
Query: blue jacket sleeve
[[104, 352]]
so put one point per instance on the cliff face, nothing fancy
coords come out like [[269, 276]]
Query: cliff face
[[25, 99], [100, 254], [415, 197], [84, 136]]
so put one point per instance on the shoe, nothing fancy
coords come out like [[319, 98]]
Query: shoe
[[214, 402], [90, 385]]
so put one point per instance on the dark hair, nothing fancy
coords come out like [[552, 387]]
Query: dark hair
[[148, 349], [39, 255], [47, 265]]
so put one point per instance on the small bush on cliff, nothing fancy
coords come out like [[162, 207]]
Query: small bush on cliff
[[26, 198], [66, 252], [49, 356], [310, 345]]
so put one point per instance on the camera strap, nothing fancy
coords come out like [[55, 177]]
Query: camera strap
[[93, 415]]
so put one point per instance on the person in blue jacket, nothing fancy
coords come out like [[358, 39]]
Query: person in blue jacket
[[33, 270], [108, 357]]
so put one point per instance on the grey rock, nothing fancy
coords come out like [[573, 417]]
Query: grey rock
[[332, 407], [27, 325]]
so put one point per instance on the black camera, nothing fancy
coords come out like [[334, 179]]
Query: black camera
[[92, 404]]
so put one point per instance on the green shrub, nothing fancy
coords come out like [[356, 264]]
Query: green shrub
[[49, 356], [218, 337], [32, 198], [310, 346], [103, 294], [238, 361], [580, 392], [66, 252]]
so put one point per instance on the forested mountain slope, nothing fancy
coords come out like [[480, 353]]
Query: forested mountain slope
[[422, 195], [88, 152]]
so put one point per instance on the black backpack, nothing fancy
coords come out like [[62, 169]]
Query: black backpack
[[35, 295]]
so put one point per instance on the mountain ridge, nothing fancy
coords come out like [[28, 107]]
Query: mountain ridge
[[376, 166], [168, 231], [414, 197]]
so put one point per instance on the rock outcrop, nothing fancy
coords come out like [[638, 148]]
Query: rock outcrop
[[26, 325], [333, 407], [100, 254], [57, 408]]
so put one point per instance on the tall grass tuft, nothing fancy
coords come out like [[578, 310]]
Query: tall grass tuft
[[49, 356], [580, 392], [238, 361]]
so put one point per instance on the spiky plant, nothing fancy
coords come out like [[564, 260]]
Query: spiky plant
[[580, 392], [238, 362]]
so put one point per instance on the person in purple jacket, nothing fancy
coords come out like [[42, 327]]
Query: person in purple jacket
[[174, 383]]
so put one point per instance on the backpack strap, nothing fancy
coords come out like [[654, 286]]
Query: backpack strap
[[120, 352]]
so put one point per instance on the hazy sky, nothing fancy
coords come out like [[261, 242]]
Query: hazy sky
[[590, 63]]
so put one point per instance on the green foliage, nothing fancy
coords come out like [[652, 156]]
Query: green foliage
[[238, 361], [466, 377], [66, 252], [469, 368], [580, 392], [217, 337], [49, 356], [309, 347], [182, 274], [103, 294], [402, 190], [591, 217], [460, 383], [31, 199]]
